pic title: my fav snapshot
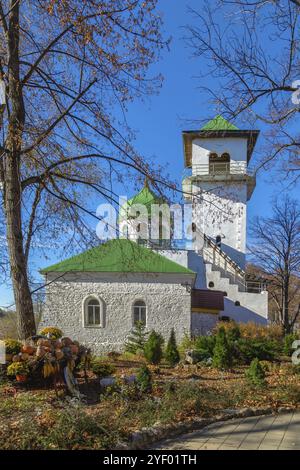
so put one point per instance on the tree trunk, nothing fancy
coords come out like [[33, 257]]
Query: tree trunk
[[12, 185], [286, 319], [23, 301]]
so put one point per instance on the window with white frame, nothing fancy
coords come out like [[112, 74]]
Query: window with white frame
[[139, 312], [93, 312]]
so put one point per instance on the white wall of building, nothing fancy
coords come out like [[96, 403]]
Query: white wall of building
[[189, 259], [253, 308], [236, 147], [168, 305], [223, 208], [223, 211]]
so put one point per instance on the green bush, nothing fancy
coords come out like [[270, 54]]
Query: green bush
[[153, 348], [186, 343], [144, 379], [222, 352], [288, 343], [102, 369], [137, 339], [247, 349], [172, 354], [205, 345], [234, 333], [256, 374], [12, 346]]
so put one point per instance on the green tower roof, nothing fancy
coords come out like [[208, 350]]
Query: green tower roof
[[118, 256], [218, 123]]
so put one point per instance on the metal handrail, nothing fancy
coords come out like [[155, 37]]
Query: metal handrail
[[232, 263], [221, 168], [251, 286]]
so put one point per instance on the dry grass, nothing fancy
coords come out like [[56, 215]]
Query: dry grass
[[35, 419], [252, 330]]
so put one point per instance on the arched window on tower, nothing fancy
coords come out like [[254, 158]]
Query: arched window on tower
[[219, 163], [225, 157]]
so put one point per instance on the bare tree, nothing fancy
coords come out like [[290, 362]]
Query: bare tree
[[252, 50], [69, 68], [276, 250]]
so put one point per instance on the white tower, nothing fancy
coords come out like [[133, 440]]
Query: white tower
[[220, 183]]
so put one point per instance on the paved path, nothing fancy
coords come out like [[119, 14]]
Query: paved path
[[275, 432]]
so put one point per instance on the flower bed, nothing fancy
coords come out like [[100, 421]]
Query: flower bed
[[47, 356]]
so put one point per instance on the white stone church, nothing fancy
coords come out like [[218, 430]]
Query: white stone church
[[97, 296]]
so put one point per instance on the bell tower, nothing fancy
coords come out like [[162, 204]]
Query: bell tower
[[219, 183]]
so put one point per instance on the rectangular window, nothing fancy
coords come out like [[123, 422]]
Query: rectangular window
[[139, 312], [93, 317]]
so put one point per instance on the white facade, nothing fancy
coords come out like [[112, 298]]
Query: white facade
[[168, 304], [221, 199], [219, 193]]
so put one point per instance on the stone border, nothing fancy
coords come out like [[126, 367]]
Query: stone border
[[147, 436]]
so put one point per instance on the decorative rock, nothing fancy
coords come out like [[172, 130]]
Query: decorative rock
[[191, 356], [107, 382], [129, 379]]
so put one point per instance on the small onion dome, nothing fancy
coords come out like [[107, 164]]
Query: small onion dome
[[146, 197]]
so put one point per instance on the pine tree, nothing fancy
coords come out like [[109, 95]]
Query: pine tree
[[256, 374], [172, 354], [137, 339], [233, 333], [288, 343], [153, 348], [222, 353], [144, 379]]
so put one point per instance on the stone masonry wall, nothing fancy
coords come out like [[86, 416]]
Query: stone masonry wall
[[203, 323], [168, 305]]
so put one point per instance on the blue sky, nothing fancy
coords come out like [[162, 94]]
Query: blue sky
[[159, 120]]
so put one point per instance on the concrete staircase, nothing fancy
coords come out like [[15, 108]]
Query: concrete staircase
[[225, 275]]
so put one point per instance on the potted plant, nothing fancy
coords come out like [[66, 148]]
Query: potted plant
[[51, 332], [20, 370], [12, 347]]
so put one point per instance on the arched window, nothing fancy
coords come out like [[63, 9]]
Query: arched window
[[93, 310], [225, 157], [219, 163], [139, 312]]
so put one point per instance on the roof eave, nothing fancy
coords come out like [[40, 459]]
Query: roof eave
[[62, 273]]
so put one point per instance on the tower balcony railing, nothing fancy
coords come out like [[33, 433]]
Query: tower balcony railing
[[221, 168]]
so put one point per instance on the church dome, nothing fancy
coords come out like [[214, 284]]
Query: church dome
[[146, 197]]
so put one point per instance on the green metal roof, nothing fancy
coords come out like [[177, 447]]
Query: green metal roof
[[145, 197], [119, 256], [218, 123]]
